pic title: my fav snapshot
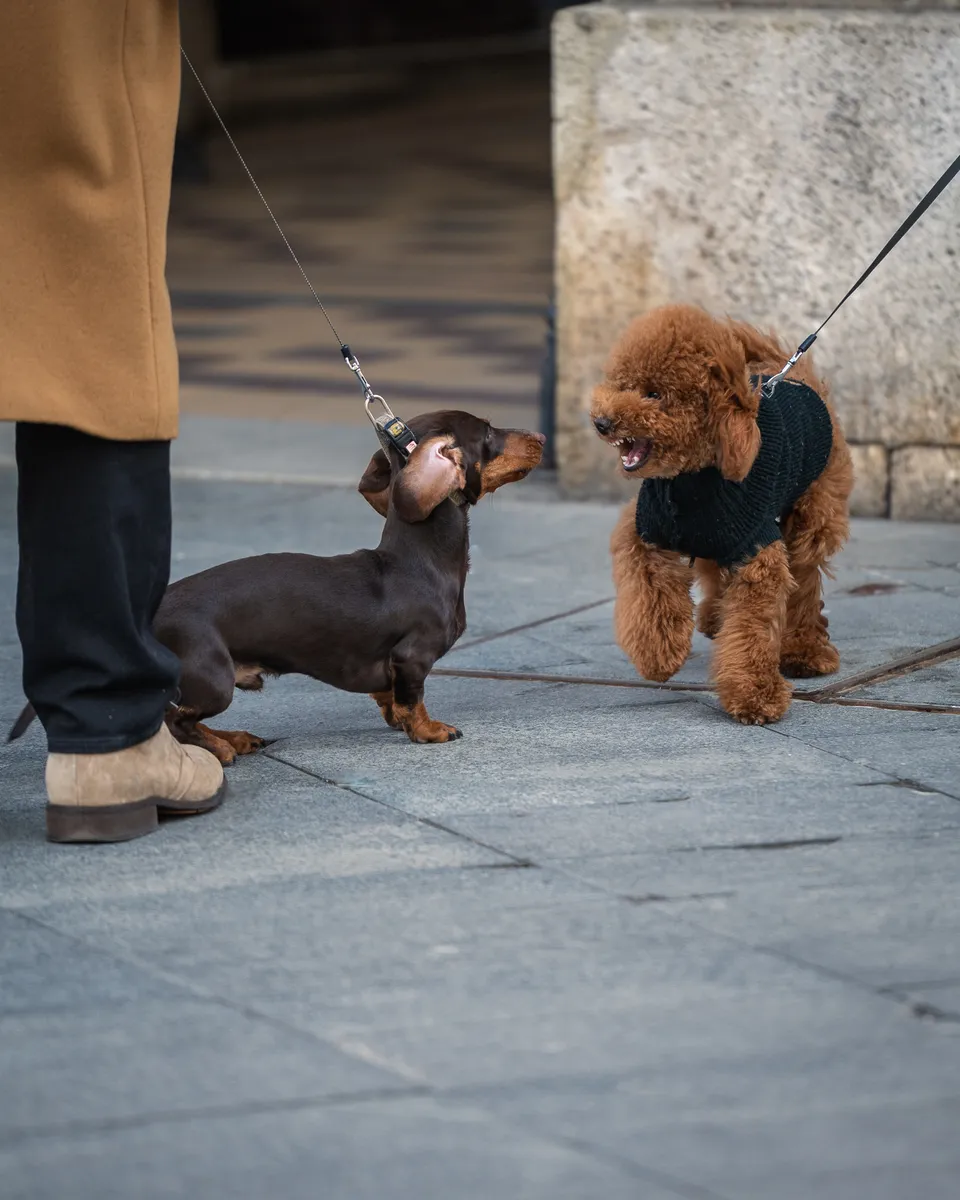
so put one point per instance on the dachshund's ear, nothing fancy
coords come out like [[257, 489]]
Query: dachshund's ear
[[433, 471], [374, 487], [733, 408]]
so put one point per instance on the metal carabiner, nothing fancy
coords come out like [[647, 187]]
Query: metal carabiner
[[369, 398]]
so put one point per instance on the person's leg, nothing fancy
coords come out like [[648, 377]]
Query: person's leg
[[94, 525]]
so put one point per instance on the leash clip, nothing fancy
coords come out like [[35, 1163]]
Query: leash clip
[[390, 430], [766, 388]]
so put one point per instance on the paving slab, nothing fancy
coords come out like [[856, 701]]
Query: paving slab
[[378, 1150], [571, 745], [144, 1059], [838, 1151], [937, 684], [275, 823], [884, 933], [927, 757], [701, 820], [795, 866], [451, 978], [44, 971]]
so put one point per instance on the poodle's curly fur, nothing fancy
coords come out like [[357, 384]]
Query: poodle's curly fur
[[678, 396]]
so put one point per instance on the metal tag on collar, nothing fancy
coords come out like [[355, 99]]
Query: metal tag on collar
[[390, 429]]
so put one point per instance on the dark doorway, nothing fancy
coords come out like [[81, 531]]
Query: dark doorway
[[254, 28]]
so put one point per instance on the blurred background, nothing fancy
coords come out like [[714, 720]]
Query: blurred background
[[404, 146]]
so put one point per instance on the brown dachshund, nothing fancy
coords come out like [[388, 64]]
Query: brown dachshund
[[744, 487], [372, 621]]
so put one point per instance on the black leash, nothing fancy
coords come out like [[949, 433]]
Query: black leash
[[391, 431], [942, 183]]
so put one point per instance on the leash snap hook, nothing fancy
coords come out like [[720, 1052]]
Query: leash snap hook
[[386, 416]]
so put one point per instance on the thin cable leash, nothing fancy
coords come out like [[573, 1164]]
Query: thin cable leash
[[942, 183], [389, 428]]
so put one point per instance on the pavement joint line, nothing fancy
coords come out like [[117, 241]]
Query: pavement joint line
[[687, 1191], [666, 909], [890, 777], [535, 677], [207, 995], [829, 973], [812, 697], [902, 665], [670, 1183], [13, 1136], [514, 859], [492, 637], [662, 906]]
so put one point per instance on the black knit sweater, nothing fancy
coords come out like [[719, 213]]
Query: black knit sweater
[[703, 515]]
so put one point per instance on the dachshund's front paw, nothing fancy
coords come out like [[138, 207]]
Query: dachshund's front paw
[[434, 731], [240, 741], [420, 727]]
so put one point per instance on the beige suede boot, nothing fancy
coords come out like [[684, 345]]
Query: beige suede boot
[[116, 796]]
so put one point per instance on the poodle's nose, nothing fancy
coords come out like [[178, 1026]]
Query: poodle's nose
[[603, 425]]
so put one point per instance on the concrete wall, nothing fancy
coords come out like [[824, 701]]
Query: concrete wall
[[754, 161]]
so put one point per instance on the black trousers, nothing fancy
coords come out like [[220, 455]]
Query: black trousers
[[94, 523]]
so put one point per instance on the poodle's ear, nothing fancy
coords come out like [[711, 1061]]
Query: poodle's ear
[[374, 487], [433, 471], [733, 406]]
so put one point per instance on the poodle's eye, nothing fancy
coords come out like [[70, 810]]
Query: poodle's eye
[[653, 395]]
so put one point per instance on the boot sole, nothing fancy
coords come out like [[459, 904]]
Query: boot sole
[[120, 822]]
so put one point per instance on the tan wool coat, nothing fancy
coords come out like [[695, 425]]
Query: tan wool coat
[[88, 109]]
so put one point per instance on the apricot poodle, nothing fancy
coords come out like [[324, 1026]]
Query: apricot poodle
[[744, 488]]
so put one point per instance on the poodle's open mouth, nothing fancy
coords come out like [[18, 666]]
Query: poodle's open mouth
[[634, 452]]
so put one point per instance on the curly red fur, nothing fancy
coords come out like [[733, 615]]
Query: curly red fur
[[679, 384]]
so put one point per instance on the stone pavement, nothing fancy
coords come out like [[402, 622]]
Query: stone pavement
[[610, 944]]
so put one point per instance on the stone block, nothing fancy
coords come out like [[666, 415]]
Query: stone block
[[753, 161], [870, 481], [925, 483]]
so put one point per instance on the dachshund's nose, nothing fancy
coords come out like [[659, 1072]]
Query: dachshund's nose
[[603, 425]]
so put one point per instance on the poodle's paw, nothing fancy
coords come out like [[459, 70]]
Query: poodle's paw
[[799, 660], [708, 618], [663, 650], [756, 701], [658, 671]]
